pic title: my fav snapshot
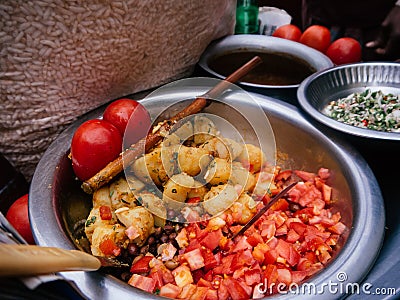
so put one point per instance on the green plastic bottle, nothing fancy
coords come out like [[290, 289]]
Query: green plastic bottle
[[246, 17]]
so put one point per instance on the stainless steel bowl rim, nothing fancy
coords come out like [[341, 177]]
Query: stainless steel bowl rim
[[265, 44], [342, 127], [355, 258]]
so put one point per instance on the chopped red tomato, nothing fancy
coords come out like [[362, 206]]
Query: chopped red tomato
[[204, 283], [271, 256], [254, 239], [197, 275], [170, 290], [142, 282], [311, 256], [272, 242], [271, 274], [187, 291], [283, 248], [212, 294], [298, 276], [252, 276], [195, 232], [304, 214], [105, 212], [326, 193], [167, 275], [225, 266], [324, 173], [182, 276], [268, 229], [324, 257], [223, 292], [241, 244], [200, 293], [284, 276], [236, 291], [157, 277], [211, 240], [259, 252], [193, 200], [280, 205], [194, 244], [142, 265], [284, 175], [182, 238], [243, 258], [292, 236], [195, 259], [306, 176], [210, 261], [283, 230], [338, 228], [108, 247]]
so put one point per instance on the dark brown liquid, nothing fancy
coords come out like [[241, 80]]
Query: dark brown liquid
[[275, 69]]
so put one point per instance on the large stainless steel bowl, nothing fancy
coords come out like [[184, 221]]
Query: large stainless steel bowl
[[268, 45], [57, 202]]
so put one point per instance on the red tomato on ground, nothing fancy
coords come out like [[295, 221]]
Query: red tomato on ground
[[18, 217], [289, 32], [317, 37], [128, 114], [94, 144], [344, 50]]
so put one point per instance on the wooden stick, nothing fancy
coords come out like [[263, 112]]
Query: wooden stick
[[134, 151], [264, 209]]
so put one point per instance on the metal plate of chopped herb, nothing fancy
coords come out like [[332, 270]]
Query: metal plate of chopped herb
[[374, 110], [360, 100]]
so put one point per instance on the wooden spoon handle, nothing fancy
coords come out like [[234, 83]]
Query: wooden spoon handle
[[234, 77], [116, 166], [26, 260]]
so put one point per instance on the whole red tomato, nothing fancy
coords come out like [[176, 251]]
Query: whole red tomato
[[344, 50], [128, 114], [18, 217], [317, 37], [289, 32], [95, 143]]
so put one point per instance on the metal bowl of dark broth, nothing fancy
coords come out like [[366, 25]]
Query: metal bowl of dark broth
[[285, 64], [57, 203]]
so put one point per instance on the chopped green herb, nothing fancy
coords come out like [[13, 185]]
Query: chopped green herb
[[371, 110], [90, 221]]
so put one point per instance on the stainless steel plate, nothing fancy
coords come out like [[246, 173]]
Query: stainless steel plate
[[324, 86]]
